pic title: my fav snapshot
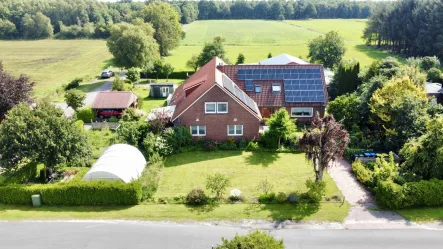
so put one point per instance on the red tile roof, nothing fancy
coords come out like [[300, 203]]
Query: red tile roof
[[266, 98], [114, 100]]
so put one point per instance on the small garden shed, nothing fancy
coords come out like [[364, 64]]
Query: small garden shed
[[118, 162], [161, 90]]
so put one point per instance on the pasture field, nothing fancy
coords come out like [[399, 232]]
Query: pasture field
[[52, 63], [256, 38]]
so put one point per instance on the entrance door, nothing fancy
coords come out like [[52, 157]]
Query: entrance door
[[165, 91]]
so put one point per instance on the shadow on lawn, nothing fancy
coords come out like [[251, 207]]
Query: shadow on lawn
[[205, 208], [262, 158], [198, 157], [279, 212]]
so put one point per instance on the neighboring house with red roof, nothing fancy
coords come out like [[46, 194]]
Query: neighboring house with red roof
[[220, 101]]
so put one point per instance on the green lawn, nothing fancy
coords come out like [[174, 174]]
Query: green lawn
[[51, 63], [424, 214], [256, 38], [148, 103], [287, 172], [326, 212]]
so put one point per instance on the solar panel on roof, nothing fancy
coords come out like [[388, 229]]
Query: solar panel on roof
[[233, 88]]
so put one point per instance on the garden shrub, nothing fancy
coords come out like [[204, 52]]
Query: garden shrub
[[268, 140], [229, 144], [424, 193], [316, 190], [196, 197], [155, 143], [79, 193], [113, 119], [79, 124], [267, 197], [390, 195], [178, 137], [364, 175], [86, 115], [235, 195], [130, 115], [281, 197], [256, 239], [293, 197], [434, 75], [133, 74], [150, 178], [74, 84], [252, 146], [209, 144], [242, 144]]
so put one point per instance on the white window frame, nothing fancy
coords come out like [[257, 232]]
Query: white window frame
[[211, 103], [223, 103], [198, 130], [302, 116], [235, 130], [276, 85]]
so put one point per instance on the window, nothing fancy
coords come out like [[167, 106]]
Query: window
[[210, 107], [301, 112], [276, 88], [222, 107], [216, 107], [198, 130], [235, 130], [257, 89]]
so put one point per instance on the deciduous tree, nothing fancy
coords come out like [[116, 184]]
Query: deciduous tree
[[324, 143], [166, 22], [193, 63], [75, 98], [13, 91], [281, 125], [133, 45], [211, 50], [43, 135], [217, 183], [328, 50]]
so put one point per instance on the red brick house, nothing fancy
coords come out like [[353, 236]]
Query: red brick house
[[220, 101]]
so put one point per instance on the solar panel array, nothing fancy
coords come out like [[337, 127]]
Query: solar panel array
[[300, 84], [234, 89]]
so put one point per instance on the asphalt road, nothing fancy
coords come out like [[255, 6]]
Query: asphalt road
[[134, 235]]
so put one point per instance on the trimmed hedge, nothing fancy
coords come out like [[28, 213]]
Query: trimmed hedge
[[411, 194], [364, 175], [95, 193]]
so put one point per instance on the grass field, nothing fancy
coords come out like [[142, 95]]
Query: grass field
[[286, 172], [52, 63], [256, 38], [424, 214]]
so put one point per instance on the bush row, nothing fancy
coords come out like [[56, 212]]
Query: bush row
[[74, 193], [412, 194]]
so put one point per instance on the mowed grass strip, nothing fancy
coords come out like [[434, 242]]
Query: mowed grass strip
[[424, 214], [176, 212], [287, 172], [52, 63]]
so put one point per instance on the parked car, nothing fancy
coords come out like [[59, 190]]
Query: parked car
[[107, 74], [107, 113]]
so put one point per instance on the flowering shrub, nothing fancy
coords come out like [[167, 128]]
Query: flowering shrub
[[235, 195]]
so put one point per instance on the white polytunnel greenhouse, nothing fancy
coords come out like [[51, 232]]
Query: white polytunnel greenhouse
[[118, 162]]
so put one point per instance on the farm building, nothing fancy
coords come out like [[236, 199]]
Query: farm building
[[161, 90], [109, 104], [119, 162]]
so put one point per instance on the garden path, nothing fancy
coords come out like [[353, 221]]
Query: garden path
[[364, 212]]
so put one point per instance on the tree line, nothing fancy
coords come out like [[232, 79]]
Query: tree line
[[410, 27], [70, 19]]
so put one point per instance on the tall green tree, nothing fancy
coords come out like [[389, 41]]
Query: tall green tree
[[328, 50], [36, 26], [398, 112], [7, 29], [133, 45], [211, 50], [42, 135], [281, 125], [423, 156], [75, 98], [166, 22], [13, 91], [324, 143], [240, 59], [345, 79], [193, 63], [345, 110]]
